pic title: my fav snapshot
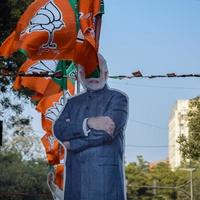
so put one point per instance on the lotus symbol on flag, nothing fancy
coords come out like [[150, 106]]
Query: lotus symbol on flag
[[53, 112], [43, 66], [49, 19], [51, 141]]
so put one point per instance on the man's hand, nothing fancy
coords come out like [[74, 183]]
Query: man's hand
[[67, 144], [102, 123]]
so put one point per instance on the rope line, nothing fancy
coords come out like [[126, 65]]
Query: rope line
[[59, 74]]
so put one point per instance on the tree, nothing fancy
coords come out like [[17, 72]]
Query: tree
[[17, 130], [196, 182], [11, 109], [10, 11], [23, 176], [137, 176], [159, 182], [21, 179], [190, 146]]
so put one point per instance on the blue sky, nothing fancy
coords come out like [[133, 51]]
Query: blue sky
[[155, 37]]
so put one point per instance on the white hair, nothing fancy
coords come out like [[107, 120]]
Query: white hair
[[102, 63]]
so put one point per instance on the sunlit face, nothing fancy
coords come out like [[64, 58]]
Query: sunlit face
[[94, 83]]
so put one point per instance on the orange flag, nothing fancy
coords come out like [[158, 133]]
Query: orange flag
[[46, 86], [88, 11], [46, 30], [86, 41], [37, 84], [54, 150], [50, 107], [59, 175]]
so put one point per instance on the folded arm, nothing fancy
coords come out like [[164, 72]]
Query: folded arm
[[117, 112], [66, 130], [95, 138]]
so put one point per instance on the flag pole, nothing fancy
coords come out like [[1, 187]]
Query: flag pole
[[78, 86], [64, 83], [98, 22]]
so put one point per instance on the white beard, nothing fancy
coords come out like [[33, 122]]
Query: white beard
[[94, 83]]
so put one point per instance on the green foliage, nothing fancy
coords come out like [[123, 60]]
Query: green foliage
[[11, 107], [136, 177], [21, 176], [196, 182], [22, 180], [11, 111], [171, 185], [190, 146], [10, 11]]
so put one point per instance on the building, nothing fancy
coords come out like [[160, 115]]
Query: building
[[178, 125]]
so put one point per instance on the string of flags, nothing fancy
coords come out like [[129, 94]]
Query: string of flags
[[60, 74], [138, 74]]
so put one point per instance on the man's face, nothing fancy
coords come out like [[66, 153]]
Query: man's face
[[93, 83]]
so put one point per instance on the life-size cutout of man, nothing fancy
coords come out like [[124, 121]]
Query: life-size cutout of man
[[91, 126]]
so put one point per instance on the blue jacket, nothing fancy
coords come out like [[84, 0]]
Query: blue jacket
[[94, 164]]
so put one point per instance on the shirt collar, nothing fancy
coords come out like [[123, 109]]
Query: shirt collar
[[98, 91]]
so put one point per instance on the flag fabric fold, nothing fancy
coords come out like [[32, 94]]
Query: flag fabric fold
[[54, 34], [54, 150], [37, 84], [50, 108], [86, 46], [46, 30], [46, 86], [59, 176], [51, 29]]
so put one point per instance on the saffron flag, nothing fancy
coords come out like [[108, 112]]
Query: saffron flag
[[46, 30], [86, 41], [37, 84], [50, 107], [88, 11], [46, 86], [59, 175], [54, 150]]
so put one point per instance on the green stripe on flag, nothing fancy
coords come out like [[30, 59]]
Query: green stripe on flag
[[75, 7], [63, 80], [67, 68], [23, 52], [71, 72]]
